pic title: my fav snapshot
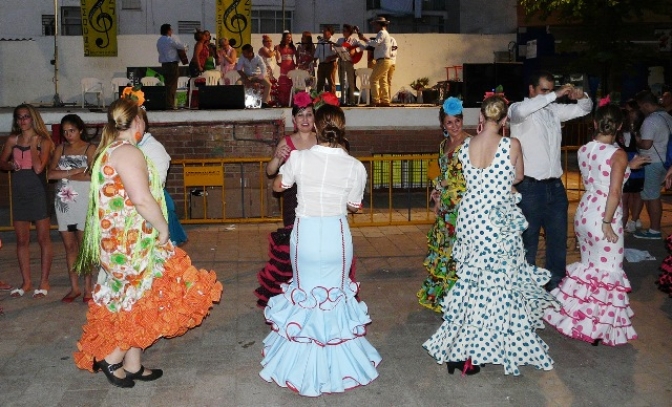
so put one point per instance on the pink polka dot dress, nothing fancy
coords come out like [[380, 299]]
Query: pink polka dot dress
[[594, 295]]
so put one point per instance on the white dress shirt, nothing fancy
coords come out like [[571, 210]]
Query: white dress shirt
[[382, 45], [155, 152], [167, 48], [328, 180], [252, 67], [536, 123], [324, 50]]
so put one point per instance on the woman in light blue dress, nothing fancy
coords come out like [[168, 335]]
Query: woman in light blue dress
[[317, 342]]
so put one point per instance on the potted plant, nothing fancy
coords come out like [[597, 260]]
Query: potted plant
[[418, 85]]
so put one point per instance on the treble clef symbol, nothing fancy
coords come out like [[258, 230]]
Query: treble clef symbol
[[102, 23], [234, 21]]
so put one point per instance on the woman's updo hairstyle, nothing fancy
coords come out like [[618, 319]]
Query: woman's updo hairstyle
[[494, 108], [608, 119], [330, 123], [120, 116]]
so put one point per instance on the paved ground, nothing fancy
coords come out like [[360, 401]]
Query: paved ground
[[217, 364]]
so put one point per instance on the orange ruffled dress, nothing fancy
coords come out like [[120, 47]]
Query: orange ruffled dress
[[145, 291]]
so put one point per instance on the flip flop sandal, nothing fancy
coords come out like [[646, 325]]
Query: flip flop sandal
[[16, 293], [40, 293]]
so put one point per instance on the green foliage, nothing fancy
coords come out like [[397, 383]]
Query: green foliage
[[420, 83], [601, 32]]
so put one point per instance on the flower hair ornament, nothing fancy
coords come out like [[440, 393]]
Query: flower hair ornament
[[324, 98], [302, 100], [452, 106], [604, 101], [135, 94], [498, 91]]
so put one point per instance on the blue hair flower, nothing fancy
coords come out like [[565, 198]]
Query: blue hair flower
[[452, 106]]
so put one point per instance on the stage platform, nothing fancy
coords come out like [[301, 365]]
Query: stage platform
[[396, 116]]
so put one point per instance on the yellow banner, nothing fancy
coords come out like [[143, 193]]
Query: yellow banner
[[99, 28], [234, 21]]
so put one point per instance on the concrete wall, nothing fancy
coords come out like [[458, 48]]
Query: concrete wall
[[26, 74]]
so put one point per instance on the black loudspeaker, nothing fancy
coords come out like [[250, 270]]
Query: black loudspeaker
[[477, 79], [155, 97], [481, 78], [510, 76], [221, 97]]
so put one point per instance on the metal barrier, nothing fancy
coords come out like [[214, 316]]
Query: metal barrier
[[237, 190]]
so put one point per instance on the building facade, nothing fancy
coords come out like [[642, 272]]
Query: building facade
[[34, 18]]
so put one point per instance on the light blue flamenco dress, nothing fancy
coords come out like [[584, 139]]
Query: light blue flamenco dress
[[317, 342]]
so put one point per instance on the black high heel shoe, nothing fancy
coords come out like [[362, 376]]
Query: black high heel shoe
[[465, 367], [596, 342], [109, 370], [156, 373]]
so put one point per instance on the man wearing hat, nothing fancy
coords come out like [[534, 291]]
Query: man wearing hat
[[382, 44]]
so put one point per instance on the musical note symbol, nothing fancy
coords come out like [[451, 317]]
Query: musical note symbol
[[101, 22], [234, 21]]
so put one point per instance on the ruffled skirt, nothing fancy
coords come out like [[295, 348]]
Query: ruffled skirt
[[492, 312], [176, 302], [595, 306], [317, 342], [278, 269]]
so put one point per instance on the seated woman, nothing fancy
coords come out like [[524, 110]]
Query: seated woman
[[146, 288]]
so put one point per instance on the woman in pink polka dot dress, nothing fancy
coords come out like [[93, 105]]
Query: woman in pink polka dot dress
[[593, 294]]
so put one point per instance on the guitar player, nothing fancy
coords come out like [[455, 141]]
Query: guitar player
[[346, 68]]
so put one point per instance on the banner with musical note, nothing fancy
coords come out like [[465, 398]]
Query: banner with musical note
[[234, 21], [99, 28]]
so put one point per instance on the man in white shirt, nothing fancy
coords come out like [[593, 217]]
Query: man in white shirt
[[168, 48], [326, 54], [536, 123], [252, 69], [652, 141], [393, 64], [380, 88]]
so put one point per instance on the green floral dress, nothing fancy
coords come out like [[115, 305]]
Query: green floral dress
[[441, 237]]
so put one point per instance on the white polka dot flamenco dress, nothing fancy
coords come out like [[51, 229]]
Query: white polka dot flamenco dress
[[594, 297], [494, 309]]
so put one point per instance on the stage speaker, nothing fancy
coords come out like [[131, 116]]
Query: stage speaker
[[155, 97], [481, 78], [478, 79], [221, 97], [510, 76]]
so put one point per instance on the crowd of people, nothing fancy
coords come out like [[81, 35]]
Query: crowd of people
[[321, 60], [493, 196]]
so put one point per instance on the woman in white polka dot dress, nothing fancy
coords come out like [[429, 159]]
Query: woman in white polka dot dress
[[492, 312], [594, 298]]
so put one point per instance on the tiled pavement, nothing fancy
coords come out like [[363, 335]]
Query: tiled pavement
[[217, 364]]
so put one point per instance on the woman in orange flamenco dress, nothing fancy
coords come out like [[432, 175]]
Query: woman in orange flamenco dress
[[146, 289]]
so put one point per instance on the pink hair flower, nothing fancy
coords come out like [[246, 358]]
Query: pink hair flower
[[302, 99], [604, 101]]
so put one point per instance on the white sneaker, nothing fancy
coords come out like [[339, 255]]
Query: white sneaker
[[631, 226]]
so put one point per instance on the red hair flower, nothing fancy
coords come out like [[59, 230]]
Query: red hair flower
[[302, 100]]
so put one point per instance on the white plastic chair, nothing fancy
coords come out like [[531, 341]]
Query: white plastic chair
[[150, 81], [299, 77], [212, 77], [116, 83], [364, 75], [231, 77], [183, 82], [95, 86]]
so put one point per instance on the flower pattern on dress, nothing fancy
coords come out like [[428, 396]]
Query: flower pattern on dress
[[439, 262]]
